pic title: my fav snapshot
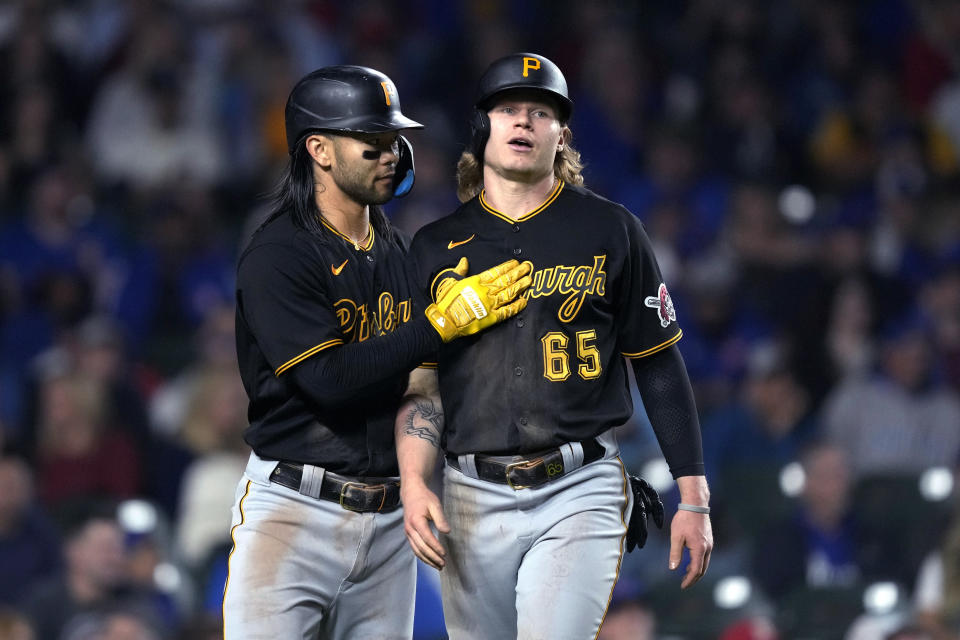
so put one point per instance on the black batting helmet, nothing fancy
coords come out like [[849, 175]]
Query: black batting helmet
[[348, 98], [516, 71]]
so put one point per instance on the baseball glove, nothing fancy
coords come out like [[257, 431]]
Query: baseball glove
[[646, 502]]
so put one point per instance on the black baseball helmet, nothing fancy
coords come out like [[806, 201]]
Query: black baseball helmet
[[524, 71], [349, 98], [516, 71]]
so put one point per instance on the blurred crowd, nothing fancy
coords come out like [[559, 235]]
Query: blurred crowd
[[796, 164]]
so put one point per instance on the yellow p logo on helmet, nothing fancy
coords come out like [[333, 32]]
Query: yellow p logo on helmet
[[387, 91], [530, 63]]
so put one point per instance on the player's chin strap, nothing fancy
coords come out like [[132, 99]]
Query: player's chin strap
[[405, 173]]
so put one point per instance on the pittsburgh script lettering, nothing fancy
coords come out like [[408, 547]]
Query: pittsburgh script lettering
[[358, 323], [575, 282]]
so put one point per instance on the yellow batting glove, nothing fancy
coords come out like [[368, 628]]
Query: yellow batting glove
[[473, 303], [459, 271]]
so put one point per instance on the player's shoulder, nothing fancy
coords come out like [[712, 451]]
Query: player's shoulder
[[595, 206], [276, 238], [452, 223]]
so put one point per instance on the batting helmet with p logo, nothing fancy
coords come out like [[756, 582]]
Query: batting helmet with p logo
[[347, 98], [516, 71]]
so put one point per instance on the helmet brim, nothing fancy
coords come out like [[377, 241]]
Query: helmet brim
[[394, 123], [563, 102]]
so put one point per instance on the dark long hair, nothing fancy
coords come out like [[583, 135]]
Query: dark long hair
[[294, 193]]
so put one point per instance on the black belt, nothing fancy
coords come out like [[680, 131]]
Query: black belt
[[349, 493], [531, 470]]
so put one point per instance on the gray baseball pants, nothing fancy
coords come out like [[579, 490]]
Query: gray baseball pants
[[303, 567], [536, 563]]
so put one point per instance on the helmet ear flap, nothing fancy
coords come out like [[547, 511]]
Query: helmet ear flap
[[479, 132], [405, 173]]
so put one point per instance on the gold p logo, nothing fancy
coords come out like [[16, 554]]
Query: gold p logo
[[387, 90], [530, 63]]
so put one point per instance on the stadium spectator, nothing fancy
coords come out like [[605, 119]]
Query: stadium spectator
[[94, 580], [903, 419], [818, 544], [78, 455], [29, 544]]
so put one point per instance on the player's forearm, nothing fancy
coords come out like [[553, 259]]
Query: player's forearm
[[418, 428], [339, 375], [668, 398]]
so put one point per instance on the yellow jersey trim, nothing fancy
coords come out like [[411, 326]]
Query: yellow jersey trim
[[306, 354], [233, 537], [623, 521], [357, 246], [546, 203], [659, 347], [428, 365]]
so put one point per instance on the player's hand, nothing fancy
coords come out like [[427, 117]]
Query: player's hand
[[466, 305], [421, 507], [692, 531]]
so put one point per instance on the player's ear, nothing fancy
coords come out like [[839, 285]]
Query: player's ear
[[320, 148], [565, 135]]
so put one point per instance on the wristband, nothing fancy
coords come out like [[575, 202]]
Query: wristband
[[693, 507]]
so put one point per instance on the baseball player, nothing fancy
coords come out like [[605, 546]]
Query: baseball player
[[327, 332], [536, 500]]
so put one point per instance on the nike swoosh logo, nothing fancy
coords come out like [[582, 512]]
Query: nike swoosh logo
[[453, 244], [336, 270]]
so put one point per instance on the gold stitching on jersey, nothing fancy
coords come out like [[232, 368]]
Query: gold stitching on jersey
[[652, 350], [359, 323], [356, 245], [226, 585], [578, 282], [623, 520], [427, 365], [306, 354], [546, 203]]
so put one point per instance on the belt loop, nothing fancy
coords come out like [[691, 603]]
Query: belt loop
[[608, 439], [311, 480], [572, 453], [468, 465], [258, 469]]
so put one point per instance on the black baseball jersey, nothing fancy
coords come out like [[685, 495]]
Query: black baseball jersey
[[554, 373], [298, 295]]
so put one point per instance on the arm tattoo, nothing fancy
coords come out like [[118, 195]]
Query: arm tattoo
[[425, 421]]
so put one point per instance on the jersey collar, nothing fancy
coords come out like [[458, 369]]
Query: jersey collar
[[359, 247], [546, 203]]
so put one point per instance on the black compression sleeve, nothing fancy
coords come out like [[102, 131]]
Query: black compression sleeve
[[668, 398], [340, 375]]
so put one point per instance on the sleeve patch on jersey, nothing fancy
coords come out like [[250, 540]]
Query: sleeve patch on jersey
[[663, 304], [306, 354]]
